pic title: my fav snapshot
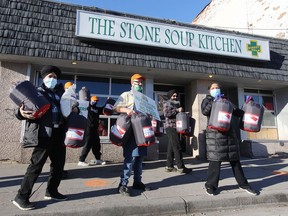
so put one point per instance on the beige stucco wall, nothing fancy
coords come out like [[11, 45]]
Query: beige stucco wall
[[195, 93], [10, 127]]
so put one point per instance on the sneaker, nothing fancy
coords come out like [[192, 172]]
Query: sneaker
[[123, 190], [140, 186], [80, 163], [23, 204], [184, 170], [210, 191], [250, 191], [170, 169], [97, 162], [56, 196]]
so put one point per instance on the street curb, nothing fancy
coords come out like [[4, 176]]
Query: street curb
[[170, 206]]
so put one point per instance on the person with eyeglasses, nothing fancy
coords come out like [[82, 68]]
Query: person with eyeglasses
[[133, 154], [171, 108]]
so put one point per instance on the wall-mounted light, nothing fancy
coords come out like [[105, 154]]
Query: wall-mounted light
[[210, 76], [74, 62]]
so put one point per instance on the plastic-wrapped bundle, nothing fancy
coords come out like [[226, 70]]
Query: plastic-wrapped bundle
[[185, 124], [252, 118], [157, 127], [121, 130], [108, 107], [221, 115], [84, 94], [75, 132], [24, 92], [142, 128], [68, 100]]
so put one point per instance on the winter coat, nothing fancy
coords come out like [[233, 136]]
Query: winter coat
[[39, 132], [170, 110], [220, 146], [91, 133]]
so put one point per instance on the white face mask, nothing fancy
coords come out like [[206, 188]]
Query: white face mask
[[50, 82], [215, 92]]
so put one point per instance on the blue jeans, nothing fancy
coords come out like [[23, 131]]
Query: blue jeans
[[130, 163]]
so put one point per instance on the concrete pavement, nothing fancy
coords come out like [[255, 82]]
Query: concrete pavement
[[93, 190]]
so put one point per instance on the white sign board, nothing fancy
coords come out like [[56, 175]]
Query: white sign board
[[145, 104], [142, 32]]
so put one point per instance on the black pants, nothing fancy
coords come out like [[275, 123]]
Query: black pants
[[174, 148], [57, 154], [93, 142], [214, 173]]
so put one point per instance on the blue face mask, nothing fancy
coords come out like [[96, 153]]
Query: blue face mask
[[215, 92], [50, 82]]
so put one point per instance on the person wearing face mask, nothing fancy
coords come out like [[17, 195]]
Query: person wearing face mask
[[133, 154], [92, 139], [222, 146], [171, 108], [46, 135]]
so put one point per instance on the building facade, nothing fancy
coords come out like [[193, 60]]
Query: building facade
[[101, 49]]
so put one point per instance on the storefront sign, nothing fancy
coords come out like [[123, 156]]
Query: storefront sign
[[145, 104], [135, 31]]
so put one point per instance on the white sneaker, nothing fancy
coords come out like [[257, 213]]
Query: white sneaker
[[80, 163], [97, 162]]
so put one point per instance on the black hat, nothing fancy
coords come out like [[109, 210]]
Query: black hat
[[171, 92], [50, 69]]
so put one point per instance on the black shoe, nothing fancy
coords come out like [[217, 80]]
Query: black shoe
[[250, 191], [170, 169], [210, 191], [140, 186], [184, 170], [123, 190], [23, 204], [55, 196]]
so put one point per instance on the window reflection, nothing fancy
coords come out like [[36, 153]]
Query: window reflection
[[119, 86]]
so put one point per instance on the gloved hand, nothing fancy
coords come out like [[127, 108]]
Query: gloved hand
[[218, 96]]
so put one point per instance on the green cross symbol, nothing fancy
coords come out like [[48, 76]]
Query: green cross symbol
[[254, 48]]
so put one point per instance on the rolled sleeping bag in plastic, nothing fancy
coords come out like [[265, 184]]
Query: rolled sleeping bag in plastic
[[84, 94], [108, 107], [253, 116], [185, 124], [121, 130], [157, 127], [142, 128], [68, 101], [221, 115], [24, 92], [75, 130]]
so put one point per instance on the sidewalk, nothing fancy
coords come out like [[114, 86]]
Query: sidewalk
[[92, 190]]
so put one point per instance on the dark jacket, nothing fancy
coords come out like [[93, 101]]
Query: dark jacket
[[170, 110], [91, 134], [38, 132], [220, 146]]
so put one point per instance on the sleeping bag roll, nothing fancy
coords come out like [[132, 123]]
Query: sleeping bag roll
[[24, 92], [75, 130], [108, 107], [252, 118], [221, 115], [121, 130], [142, 128]]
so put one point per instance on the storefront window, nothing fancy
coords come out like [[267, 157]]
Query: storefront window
[[118, 86], [96, 85], [265, 98]]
